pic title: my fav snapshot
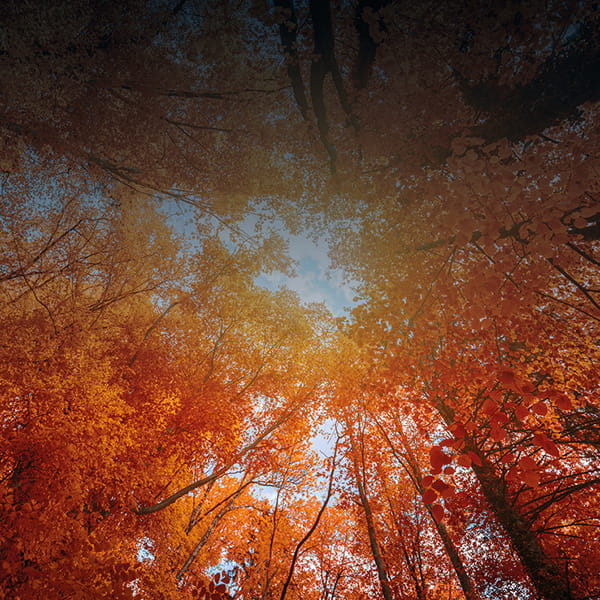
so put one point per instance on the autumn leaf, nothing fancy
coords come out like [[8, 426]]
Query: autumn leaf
[[542, 440], [443, 488], [437, 512], [540, 408], [531, 477], [438, 458], [522, 412], [429, 496], [475, 459], [507, 378], [527, 463], [464, 460]]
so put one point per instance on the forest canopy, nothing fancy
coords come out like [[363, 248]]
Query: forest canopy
[[169, 428]]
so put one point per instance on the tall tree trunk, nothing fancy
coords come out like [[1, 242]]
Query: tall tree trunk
[[375, 549], [411, 465], [459, 568], [542, 571]]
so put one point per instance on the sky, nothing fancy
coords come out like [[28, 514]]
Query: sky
[[314, 281]]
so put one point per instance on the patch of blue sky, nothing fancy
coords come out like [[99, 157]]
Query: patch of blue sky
[[313, 286], [145, 550], [315, 281]]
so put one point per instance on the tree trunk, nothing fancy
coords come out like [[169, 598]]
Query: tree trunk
[[377, 556], [542, 571], [412, 467]]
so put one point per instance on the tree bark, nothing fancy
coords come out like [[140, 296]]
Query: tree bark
[[375, 549], [542, 571], [411, 465]]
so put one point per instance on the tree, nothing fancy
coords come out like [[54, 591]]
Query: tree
[[151, 390], [108, 406]]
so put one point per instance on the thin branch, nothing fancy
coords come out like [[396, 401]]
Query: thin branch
[[145, 510], [313, 527]]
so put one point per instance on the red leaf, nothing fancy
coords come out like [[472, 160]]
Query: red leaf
[[496, 395], [506, 377], [489, 407], [439, 485], [429, 496], [427, 481], [563, 402], [509, 380], [458, 430], [513, 474], [544, 442], [540, 408], [531, 478], [527, 463], [474, 458], [507, 458], [464, 460], [528, 387], [497, 434], [499, 418], [437, 512], [443, 488], [521, 412], [438, 458]]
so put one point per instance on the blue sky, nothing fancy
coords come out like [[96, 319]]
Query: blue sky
[[314, 280]]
